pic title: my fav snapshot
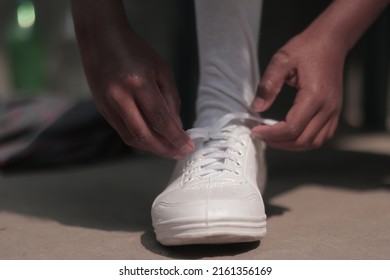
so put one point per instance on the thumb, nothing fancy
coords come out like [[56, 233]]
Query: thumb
[[272, 82]]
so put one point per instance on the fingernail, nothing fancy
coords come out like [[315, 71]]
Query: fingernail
[[269, 122], [186, 149], [258, 103]]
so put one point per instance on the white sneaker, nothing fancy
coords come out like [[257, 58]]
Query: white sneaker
[[214, 194]]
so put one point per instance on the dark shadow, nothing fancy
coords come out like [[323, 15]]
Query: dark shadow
[[112, 196], [194, 252], [274, 210], [326, 166], [79, 136], [357, 171]]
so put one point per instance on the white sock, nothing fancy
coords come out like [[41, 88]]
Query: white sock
[[228, 32]]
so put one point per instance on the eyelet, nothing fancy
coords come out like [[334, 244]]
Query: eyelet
[[189, 180]]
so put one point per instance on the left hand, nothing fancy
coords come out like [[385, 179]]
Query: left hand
[[315, 68]]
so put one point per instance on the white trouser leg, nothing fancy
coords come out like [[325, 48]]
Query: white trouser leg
[[228, 32]]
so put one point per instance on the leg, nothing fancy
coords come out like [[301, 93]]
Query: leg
[[227, 38], [214, 193]]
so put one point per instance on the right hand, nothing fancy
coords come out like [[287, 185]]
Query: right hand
[[135, 91], [315, 68]]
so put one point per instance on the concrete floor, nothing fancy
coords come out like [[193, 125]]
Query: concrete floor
[[332, 203]]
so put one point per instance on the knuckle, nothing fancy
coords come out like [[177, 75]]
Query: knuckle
[[139, 136], [293, 131], [281, 57], [268, 87], [134, 81]]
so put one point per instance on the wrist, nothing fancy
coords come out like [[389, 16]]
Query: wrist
[[325, 38], [94, 19], [344, 21], [329, 30]]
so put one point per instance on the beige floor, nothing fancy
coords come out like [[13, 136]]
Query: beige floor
[[333, 203]]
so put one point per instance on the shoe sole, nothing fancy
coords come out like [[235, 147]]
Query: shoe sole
[[218, 232]]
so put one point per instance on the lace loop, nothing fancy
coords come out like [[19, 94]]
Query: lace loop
[[221, 150]]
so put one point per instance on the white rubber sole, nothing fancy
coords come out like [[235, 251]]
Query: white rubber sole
[[218, 232]]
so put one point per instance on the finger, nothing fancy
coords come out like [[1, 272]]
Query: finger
[[117, 123], [328, 131], [312, 137], [317, 126], [333, 127], [285, 145], [322, 136], [277, 136], [277, 132], [167, 86], [135, 131], [159, 118], [275, 75], [296, 121], [295, 145]]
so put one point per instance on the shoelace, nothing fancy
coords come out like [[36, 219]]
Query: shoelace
[[221, 149]]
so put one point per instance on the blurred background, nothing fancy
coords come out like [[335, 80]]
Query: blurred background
[[39, 61], [329, 203]]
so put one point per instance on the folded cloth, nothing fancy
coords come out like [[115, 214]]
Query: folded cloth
[[39, 132]]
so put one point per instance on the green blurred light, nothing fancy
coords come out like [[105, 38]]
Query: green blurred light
[[26, 14]]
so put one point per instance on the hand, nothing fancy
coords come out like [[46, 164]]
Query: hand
[[135, 91], [315, 68]]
